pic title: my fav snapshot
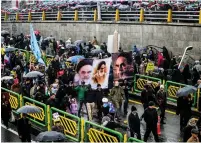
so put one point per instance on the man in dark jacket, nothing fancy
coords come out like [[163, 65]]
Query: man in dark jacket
[[99, 103], [144, 98], [134, 123], [151, 119], [24, 129], [5, 112], [184, 109], [187, 130], [161, 99], [55, 46], [126, 88]]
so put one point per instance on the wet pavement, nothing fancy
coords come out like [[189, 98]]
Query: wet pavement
[[170, 132]]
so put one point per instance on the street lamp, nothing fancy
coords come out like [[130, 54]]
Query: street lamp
[[186, 49]]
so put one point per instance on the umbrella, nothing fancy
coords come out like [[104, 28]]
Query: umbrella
[[10, 49], [4, 32], [6, 78], [49, 38], [50, 136], [33, 74], [75, 59], [185, 91], [28, 109], [2, 39], [79, 41], [97, 46], [96, 51]]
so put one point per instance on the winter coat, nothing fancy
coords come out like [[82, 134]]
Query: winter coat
[[90, 96], [99, 95], [144, 97], [117, 93], [161, 98], [5, 111], [151, 117], [24, 127], [134, 121], [187, 130], [184, 106]]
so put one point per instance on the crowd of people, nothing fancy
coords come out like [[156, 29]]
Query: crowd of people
[[56, 87]]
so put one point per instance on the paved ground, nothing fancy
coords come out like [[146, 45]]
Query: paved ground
[[170, 131]]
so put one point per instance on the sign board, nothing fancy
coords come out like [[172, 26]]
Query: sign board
[[150, 67], [110, 43]]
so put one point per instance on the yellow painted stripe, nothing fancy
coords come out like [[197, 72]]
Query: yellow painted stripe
[[168, 111]]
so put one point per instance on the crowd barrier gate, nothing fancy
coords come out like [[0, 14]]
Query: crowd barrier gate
[[14, 98], [71, 124], [172, 88], [96, 133], [37, 118], [141, 80]]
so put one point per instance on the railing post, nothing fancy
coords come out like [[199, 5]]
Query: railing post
[[141, 15], [58, 16], [198, 97], [17, 16], [6, 16], [200, 17], [48, 118], [95, 15], [43, 16], [76, 15], [125, 138], [117, 15], [82, 130], [169, 20], [29, 16]]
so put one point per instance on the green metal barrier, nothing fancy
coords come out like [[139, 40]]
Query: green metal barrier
[[141, 80], [133, 140], [38, 118], [14, 99], [48, 59], [172, 88], [70, 123], [98, 133], [25, 54]]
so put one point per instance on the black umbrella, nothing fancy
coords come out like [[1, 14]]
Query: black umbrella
[[50, 136], [4, 32]]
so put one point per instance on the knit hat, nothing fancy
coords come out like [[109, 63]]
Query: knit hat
[[151, 103], [133, 108], [194, 131]]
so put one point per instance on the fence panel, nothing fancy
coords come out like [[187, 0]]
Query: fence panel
[[14, 98], [173, 87], [98, 133], [70, 123], [38, 118], [32, 58], [141, 80], [49, 59]]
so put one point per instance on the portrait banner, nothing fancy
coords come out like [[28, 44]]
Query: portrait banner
[[122, 64], [100, 74]]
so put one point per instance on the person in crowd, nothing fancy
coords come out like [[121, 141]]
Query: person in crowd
[[187, 130], [184, 110], [195, 76], [126, 88], [108, 108], [5, 112], [81, 91], [58, 127], [24, 128], [134, 123], [84, 72], [54, 46], [99, 103], [194, 136], [176, 74], [90, 99], [117, 95], [51, 100], [100, 74], [151, 119], [186, 74], [73, 106], [161, 99], [144, 99], [94, 42]]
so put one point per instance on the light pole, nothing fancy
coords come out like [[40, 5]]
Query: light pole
[[186, 49]]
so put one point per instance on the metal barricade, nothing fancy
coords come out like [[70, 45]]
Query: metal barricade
[[14, 99], [141, 80], [48, 59], [97, 133], [32, 58], [133, 140], [70, 123], [38, 118], [172, 88]]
